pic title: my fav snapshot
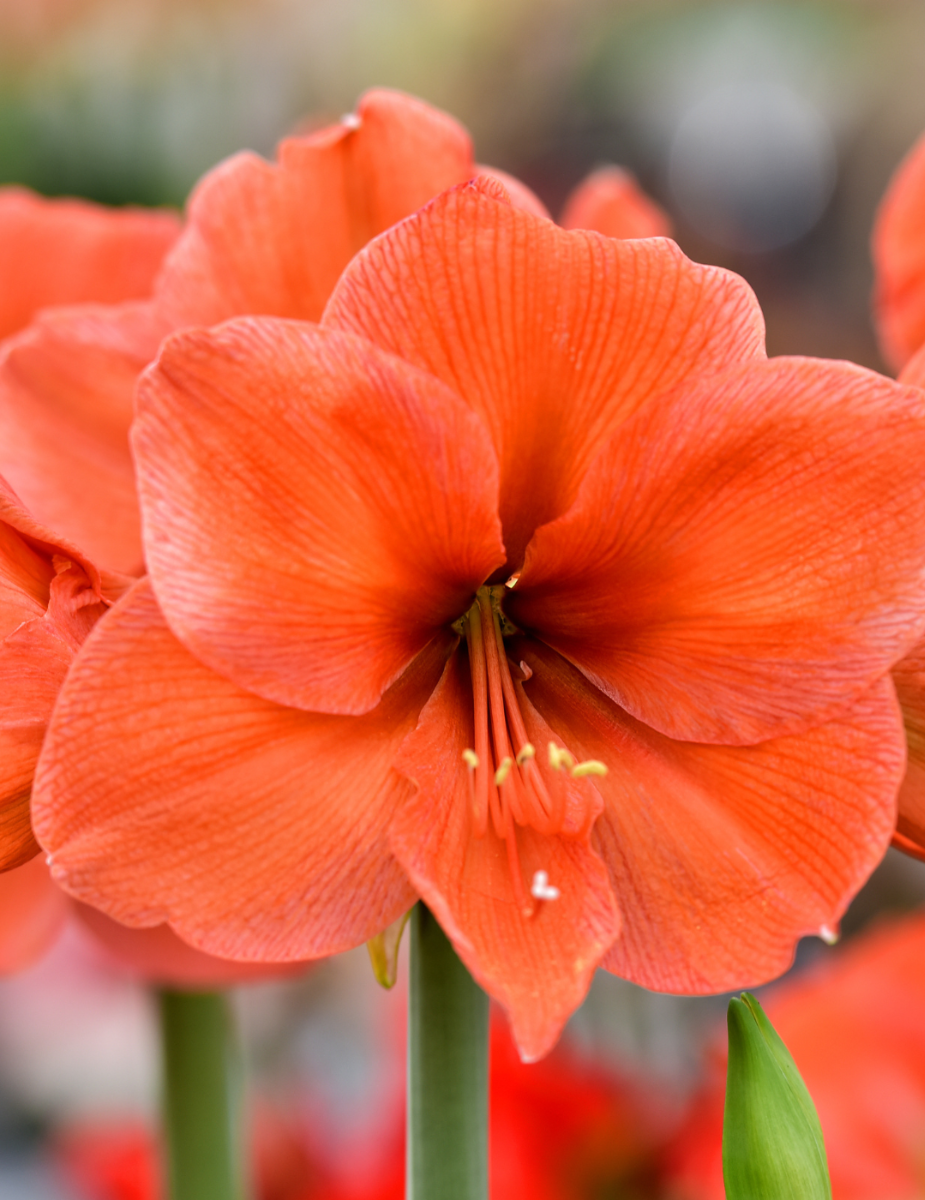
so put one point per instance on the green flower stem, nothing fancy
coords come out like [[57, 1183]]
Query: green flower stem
[[201, 1092], [447, 1071]]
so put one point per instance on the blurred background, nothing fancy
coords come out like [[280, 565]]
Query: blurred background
[[768, 131]]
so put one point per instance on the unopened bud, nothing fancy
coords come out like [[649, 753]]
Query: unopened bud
[[772, 1140]]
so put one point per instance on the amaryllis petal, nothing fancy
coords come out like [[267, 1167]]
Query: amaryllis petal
[[33, 662], [722, 857], [158, 957], [300, 481], [553, 337], [166, 794], [745, 555], [909, 677], [273, 238], [518, 193], [71, 251], [50, 596], [32, 914], [611, 202], [66, 388], [898, 247], [539, 967]]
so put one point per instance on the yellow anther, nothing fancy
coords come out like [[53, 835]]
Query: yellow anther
[[471, 759], [559, 757], [591, 767], [527, 750], [504, 770]]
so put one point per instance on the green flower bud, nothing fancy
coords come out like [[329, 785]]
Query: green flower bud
[[772, 1140]]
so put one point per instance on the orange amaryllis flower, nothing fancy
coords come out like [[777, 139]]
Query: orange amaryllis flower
[[269, 238], [898, 247], [525, 584]]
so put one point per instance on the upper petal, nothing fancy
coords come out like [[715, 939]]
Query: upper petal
[[538, 967], [273, 238], [167, 794], [746, 555], [71, 251], [555, 338], [898, 247], [722, 857], [315, 510], [610, 201], [66, 389]]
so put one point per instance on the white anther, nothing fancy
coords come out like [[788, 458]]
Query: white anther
[[590, 767], [541, 889], [49, 862], [351, 120], [829, 935], [526, 751], [504, 770], [471, 759], [512, 582]]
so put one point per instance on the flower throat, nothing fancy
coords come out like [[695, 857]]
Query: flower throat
[[506, 783]]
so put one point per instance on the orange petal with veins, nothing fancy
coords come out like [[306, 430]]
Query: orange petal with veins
[[539, 967], [299, 481], [554, 338], [745, 555], [722, 857], [72, 251], [166, 794]]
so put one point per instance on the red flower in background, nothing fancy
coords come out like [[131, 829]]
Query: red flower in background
[[331, 513], [563, 1129], [854, 1027]]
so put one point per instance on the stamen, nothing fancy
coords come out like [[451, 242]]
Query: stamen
[[508, 789], [591, 767], [541, 889], [559, 757], [504, 770], [351, 120]]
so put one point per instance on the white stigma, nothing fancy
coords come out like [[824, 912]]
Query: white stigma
[[829, 935], [351, 120], [541, 889]]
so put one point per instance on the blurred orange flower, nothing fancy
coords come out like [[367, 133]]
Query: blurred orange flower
[[898, 247], [343, 708]]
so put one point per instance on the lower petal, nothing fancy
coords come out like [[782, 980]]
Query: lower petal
[[32, 912], [157, 956], [167, 794], [538, 967], [722, 857]]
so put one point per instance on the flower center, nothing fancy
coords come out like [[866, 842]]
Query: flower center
[[506, 783]]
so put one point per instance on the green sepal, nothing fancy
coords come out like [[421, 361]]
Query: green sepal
[[773, 1147], [383, 951]]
